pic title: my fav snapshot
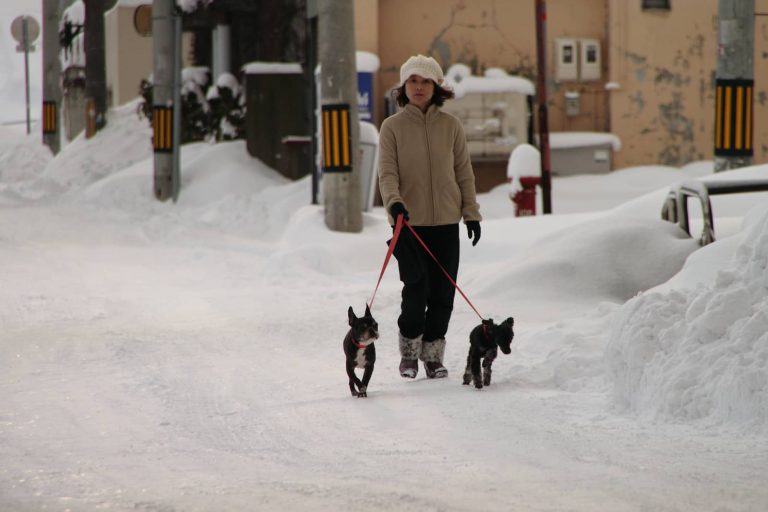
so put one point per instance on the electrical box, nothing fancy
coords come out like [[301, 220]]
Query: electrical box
[[572, 103], [590, 59], [566, 60]]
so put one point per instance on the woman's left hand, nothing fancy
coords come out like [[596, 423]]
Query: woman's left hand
[[473, 231]]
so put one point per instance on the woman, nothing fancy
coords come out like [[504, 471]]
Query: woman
[[425, 174]]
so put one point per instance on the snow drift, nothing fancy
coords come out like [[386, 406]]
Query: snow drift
[[701, 354]]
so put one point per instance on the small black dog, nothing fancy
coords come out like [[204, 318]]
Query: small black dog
[[359, 349], [483, 342]]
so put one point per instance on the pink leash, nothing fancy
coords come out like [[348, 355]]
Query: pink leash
[[395, 236]]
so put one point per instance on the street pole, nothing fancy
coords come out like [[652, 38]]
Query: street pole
[[166, 105], [51, 76], [734, 84], [341, 127], [541, 97], [95, 67], [25, 31]]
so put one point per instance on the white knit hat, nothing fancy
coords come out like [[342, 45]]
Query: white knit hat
[[422, 66]]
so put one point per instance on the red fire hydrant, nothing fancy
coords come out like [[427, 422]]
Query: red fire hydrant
[[525, 199]]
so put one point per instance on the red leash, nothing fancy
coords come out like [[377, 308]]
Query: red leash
[[392, 243], [395, 236]]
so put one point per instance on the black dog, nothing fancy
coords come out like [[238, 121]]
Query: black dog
[[483, 342], [359, 349]]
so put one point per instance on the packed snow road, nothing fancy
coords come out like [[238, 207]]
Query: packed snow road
[[150, 366]]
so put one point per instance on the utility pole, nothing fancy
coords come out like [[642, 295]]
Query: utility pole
[[341, 127], [51, 76], [734, 85], [166, 98], [95, 67], [541, 99]]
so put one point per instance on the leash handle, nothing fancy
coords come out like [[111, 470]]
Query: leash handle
[[392, 244], [424, 245]]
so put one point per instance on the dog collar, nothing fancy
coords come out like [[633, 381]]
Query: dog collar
[[358, 345]]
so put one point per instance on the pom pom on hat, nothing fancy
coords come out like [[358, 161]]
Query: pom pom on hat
[[422, 66]]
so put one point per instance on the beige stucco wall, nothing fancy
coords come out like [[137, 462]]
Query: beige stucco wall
[[129, 55], [664, 63], [492, 33]]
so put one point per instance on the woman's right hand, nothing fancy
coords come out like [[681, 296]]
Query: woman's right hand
[[398, 208]]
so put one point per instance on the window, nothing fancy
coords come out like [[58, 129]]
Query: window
[[662, 5], [591, 54], [567, 54]]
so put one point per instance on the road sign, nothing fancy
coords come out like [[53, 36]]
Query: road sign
[[25, 26], [25, 30]]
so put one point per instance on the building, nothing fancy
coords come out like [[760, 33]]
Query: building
[[650, 65]]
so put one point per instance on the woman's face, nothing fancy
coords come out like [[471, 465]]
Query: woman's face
[[419, 91]]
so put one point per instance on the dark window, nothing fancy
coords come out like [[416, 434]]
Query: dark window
[[662, 5], [567, 54], [591, 54]]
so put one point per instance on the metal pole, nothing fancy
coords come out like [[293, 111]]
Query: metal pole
[[26, 66], [734, 84], [541, 96]]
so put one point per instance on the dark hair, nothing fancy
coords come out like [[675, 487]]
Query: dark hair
[[438, 97]]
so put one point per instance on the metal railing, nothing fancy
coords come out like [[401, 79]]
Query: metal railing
[[675, 208]]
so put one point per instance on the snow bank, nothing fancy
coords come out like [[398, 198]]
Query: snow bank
[[606, 259], [683, 355], [22, 157], [84, 161]]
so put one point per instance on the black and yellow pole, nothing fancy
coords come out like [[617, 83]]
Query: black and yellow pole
[[166, 101], [733, 117], [51, 76], [734, 84]]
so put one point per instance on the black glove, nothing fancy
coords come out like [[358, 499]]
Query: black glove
[[473, 231], [396, 209]]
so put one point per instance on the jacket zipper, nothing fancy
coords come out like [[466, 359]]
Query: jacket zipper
[[429, 158]]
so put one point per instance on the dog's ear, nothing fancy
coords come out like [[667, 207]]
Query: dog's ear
[[351, 315], [488, 322], [510, 321], [367, 310]]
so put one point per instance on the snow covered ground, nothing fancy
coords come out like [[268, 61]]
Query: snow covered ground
[[188, 357]]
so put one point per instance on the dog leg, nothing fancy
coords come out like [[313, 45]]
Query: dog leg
[[487, 362], [476, 376], [353, 380], [468, 369], [366, 378]]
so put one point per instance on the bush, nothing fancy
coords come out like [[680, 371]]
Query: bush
[[219, 115]]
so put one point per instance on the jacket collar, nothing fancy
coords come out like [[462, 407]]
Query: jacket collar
[[415, 113]]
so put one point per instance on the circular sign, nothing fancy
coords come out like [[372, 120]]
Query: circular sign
[[17, 29], [142, 20]]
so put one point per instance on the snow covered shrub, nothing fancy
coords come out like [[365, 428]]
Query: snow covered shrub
[[195, 110], [227, 103]]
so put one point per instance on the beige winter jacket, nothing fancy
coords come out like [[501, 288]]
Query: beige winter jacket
[[424, 164]]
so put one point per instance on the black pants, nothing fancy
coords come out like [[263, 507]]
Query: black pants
[[427, 293]]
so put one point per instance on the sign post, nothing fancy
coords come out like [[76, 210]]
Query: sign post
[[25, 30]]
